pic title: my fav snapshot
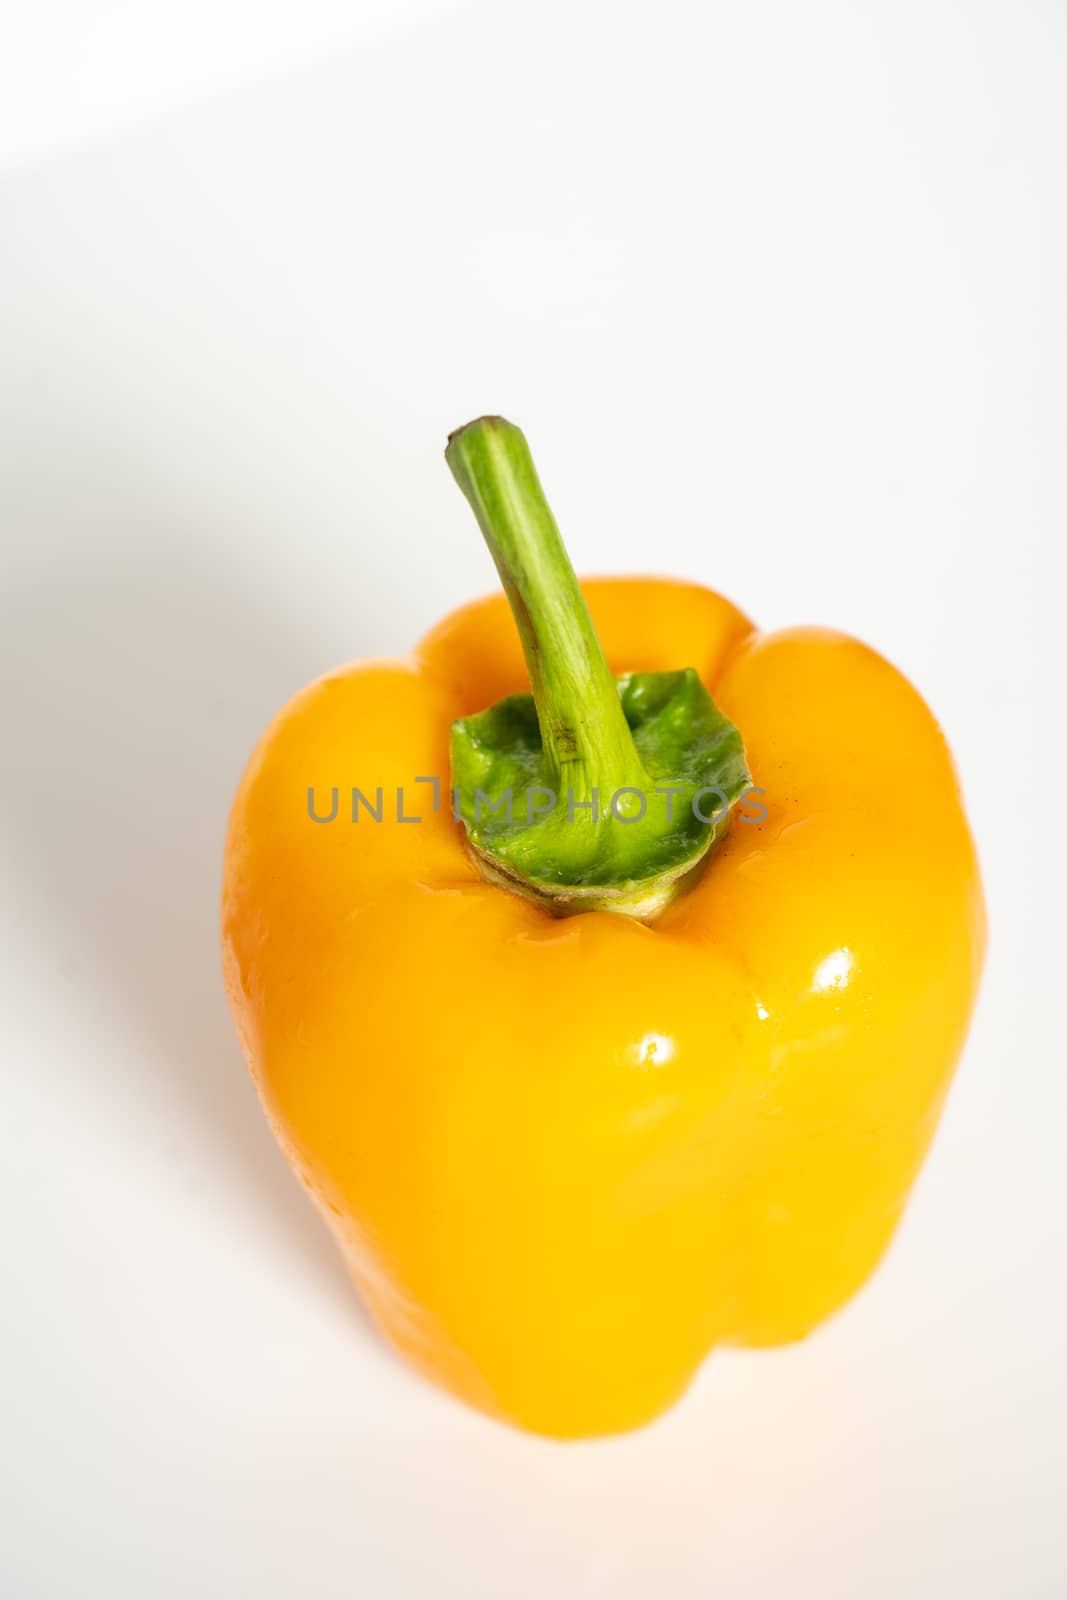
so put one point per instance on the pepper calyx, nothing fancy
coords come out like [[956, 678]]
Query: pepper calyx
[[591, 792]]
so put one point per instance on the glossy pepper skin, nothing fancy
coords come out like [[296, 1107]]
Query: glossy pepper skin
[[565, 1157]]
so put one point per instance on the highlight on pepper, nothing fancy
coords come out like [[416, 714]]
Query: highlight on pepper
[[634, 1045]]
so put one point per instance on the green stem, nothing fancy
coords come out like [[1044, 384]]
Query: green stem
[[541, 778], [587, 742]]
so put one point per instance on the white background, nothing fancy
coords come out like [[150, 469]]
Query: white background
[[777, 292]]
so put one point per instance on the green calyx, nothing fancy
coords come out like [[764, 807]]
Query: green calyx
[[591, 793]]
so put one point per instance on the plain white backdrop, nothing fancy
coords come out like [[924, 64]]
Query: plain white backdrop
[[777, 293]]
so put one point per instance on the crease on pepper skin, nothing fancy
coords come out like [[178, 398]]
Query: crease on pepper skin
[[546, 1216]]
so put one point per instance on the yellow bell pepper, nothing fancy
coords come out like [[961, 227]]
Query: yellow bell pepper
[[587, 1090]]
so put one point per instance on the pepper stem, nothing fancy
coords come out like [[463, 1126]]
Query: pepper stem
[[569, 795], [587, 743]]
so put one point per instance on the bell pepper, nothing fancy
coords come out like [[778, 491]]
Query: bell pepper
[[605, 1021]]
